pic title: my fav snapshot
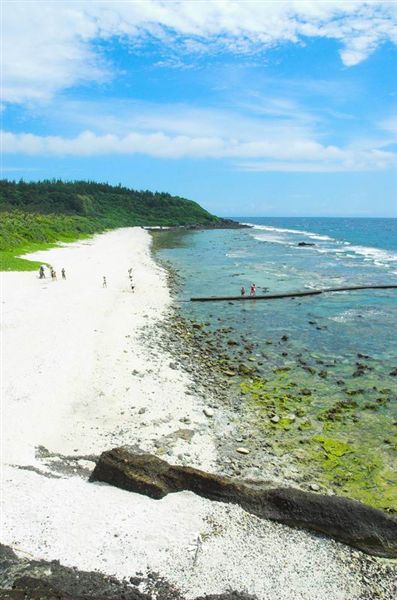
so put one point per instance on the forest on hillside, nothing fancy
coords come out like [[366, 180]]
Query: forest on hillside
[[44, 212]]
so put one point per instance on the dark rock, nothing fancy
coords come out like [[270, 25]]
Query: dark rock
[[39, 589], [244, 369], [43, 580], [360, 371], [227, 596], [345, 520], [309, 369]]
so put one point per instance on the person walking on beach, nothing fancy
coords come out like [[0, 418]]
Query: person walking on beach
[[243, 291], [53, 274], [63, 274], [41, 272], [104, 283], [253, 289]]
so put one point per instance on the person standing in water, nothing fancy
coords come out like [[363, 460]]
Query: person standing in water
[[242, 291], [104, 283], [253, 290], [63, 274]]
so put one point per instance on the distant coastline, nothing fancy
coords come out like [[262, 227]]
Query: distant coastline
[[38, 215]]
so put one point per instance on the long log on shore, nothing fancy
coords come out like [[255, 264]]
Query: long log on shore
[[293, 294], [345, 520]]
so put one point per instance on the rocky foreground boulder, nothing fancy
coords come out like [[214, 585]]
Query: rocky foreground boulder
[[345, 520], [25, 579]]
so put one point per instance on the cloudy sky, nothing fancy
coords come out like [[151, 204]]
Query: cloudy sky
[[248, 107]]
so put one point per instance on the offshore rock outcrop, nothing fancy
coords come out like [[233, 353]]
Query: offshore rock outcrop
[[345, 520]]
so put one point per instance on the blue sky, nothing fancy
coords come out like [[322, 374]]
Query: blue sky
[[250, 108]]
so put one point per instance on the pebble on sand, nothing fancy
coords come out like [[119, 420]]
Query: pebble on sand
[[242, 450]]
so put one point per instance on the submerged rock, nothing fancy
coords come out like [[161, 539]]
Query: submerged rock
[[345, 520]]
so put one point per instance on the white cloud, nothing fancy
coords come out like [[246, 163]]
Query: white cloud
[[44, 50], [49, 45], [390, 125], [277, 153], [267, 118]]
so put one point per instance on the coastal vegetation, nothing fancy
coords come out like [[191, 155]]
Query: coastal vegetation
[[38, 214]]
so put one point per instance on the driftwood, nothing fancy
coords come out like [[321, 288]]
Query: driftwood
[[345, 520]]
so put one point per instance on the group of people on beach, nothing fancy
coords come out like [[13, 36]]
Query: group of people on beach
[[252, 290], [132, 286], [53, 273], [130, 277]]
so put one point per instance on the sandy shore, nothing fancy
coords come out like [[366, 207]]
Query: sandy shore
[[78, 378]]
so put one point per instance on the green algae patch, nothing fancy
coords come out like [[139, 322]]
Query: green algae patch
[[285, 423], [279, 396], [337, 430], [331, 438], [332, 447], [354, 471]]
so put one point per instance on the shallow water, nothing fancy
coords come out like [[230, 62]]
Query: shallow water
[[342, 347]]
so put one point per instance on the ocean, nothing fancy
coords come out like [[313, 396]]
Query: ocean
[[341, 348]]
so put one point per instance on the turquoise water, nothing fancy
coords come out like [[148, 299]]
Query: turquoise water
[[346, 251], [329, 336]]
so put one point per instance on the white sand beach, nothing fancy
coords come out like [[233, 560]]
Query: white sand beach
[[78, 378]]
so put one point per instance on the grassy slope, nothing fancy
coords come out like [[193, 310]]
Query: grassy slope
[[37, 215]]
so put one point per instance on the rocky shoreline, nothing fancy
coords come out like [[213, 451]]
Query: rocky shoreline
[[207, 356], [29, 579], [272, 395], [220, 224], [172, 388]]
